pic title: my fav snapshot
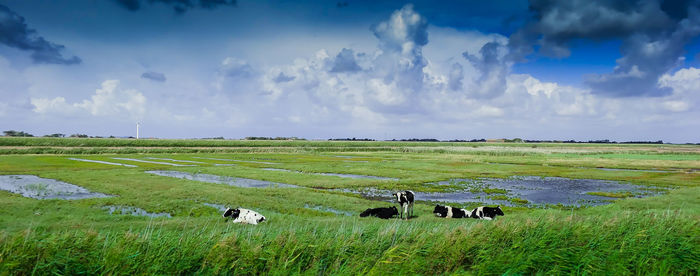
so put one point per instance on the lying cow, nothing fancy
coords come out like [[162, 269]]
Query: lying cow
[[451, 212], [383, 213], [405, 199], [488, 213], [240, 215]]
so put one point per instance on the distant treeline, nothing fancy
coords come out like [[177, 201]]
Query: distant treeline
[[14, 133], [604, 141], [275, 138]]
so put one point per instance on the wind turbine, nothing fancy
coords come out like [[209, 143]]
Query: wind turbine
[[137, 129]]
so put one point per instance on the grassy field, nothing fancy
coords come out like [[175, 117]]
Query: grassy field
[[653, 235]]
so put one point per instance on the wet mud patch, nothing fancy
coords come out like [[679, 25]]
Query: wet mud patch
[[152, 162], [134, 211], [328, 210], [228, 180], [44, 188], [344, 175], [103, 162]]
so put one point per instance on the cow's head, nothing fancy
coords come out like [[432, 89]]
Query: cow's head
[[232, 213], [440, 210], [397, 195], [394, 211], [499, 212]]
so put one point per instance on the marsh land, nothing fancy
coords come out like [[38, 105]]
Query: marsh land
[[126, 206]]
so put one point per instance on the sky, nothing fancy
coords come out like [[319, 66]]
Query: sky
[[538, 69]]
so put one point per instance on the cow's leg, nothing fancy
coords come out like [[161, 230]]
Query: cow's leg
[[405, 210]]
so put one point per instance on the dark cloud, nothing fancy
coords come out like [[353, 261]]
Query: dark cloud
[[283, 78], [180, 6], [653, 33], [154, 76], [493, 68], [15, 33], [345, 62], [131, 5]]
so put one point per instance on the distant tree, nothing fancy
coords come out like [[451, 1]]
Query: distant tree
[[14, 133], [350, 139], [275, 138], [420, 140], [56, 135], [77, 135]]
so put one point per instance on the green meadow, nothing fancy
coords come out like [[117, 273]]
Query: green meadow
[[303, 235]]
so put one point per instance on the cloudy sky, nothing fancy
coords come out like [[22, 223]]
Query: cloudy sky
[[538, 69]]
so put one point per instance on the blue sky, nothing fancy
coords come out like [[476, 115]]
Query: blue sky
[[620, 70]]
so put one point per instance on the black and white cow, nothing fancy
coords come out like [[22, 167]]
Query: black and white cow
[[383, 213], [405, 199], [245, 216], [451, 212], [488, 213]]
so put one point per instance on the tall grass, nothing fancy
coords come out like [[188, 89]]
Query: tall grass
[[551, 243]]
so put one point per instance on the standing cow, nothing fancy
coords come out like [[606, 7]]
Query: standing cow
[[405, 199]]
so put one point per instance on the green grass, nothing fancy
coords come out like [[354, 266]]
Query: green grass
[[495, 191], [518, 200], [654, 235]]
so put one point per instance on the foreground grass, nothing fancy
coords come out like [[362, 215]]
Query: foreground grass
[[550, 242]]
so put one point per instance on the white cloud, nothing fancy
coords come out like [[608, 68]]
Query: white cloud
[[676, 106], [107, 101]]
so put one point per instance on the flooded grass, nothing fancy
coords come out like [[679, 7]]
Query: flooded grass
[[228, 180], [175, 160], [152, 162], [236, 160], [634, 170], [103, 162], [328, 210], [44, 188], [134, 211], [344, 175], [219, 207]]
